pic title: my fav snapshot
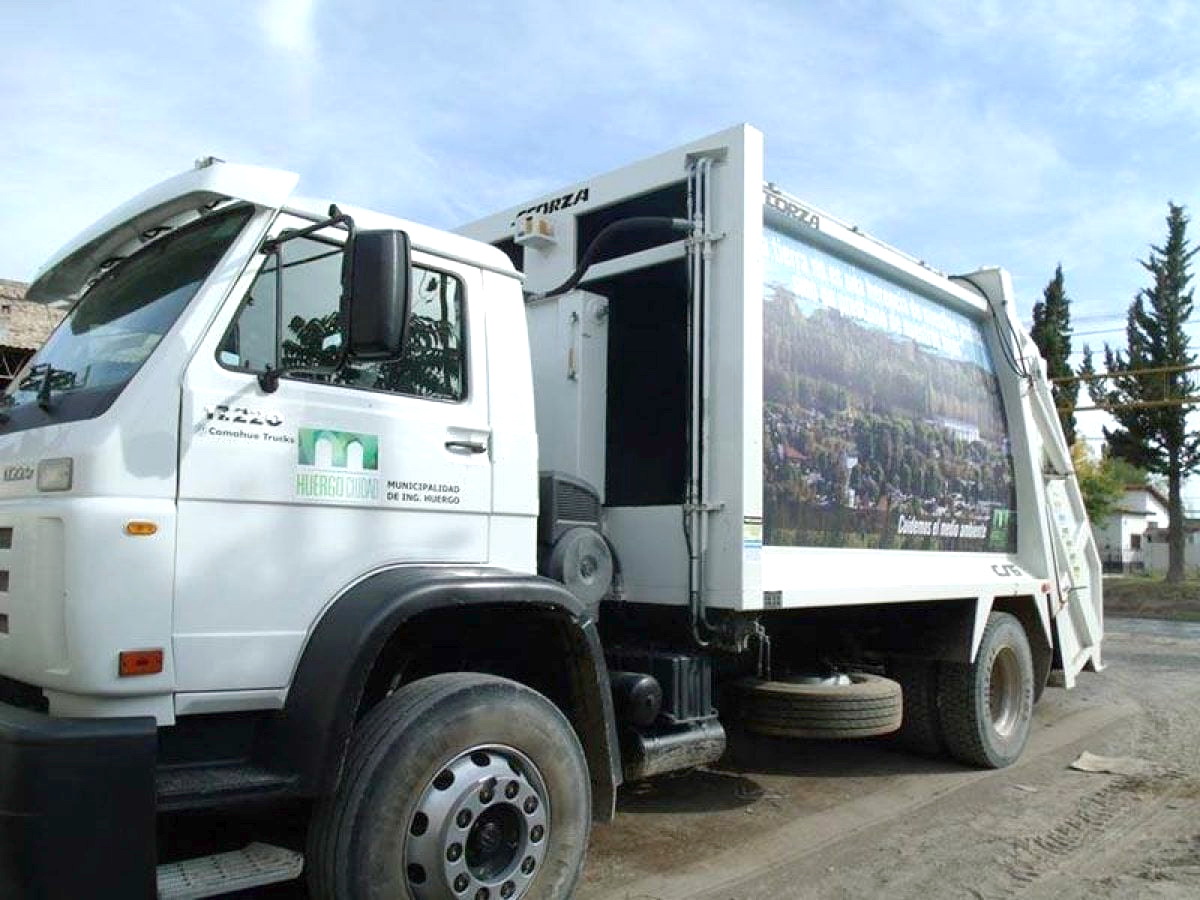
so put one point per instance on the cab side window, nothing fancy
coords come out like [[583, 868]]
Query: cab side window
[[302, 335], [434, 359]]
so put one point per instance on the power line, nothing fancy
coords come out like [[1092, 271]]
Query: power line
[[1165, 401], [1097, 351], [1189, 347], [1090, 320], [1116, 329]]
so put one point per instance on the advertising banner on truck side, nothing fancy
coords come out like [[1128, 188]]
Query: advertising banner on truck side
[[882, 418]]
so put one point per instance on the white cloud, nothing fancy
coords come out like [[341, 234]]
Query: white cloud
[[1078, 32], [289, 26], [962, 132], [1099, 241], [1170, 96]]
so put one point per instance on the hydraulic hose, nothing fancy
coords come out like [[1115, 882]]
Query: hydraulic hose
[[597, 244]]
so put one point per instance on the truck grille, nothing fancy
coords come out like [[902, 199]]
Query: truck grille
[[564, 502], [6, 539]]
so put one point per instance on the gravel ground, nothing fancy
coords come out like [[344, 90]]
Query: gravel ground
[[856, 820], [862, 820]]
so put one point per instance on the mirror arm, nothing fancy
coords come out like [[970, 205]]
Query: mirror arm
[[336, 219], [268, 380]]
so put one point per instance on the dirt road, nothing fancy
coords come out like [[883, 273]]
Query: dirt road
[[829, 820], [843, 821]]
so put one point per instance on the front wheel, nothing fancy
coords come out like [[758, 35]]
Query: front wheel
[[457, 786], [986, 707]]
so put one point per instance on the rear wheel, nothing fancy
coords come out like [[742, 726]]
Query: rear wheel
[[920, 732], [457, 786], [985, 708]]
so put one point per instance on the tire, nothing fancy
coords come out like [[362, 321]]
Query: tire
[[985, 708], [870, 705], [920, 732], [456, 776]]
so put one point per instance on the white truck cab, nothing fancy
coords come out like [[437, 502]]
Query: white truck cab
[[444, 537], [147, 407]]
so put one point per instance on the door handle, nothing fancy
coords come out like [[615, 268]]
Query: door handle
[[466, 447]]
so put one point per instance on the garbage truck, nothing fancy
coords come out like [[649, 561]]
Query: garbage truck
[[439, 538]]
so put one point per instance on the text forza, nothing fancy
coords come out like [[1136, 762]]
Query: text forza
[[566, 201]]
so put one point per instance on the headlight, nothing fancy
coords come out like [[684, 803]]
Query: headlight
[[55, 474]]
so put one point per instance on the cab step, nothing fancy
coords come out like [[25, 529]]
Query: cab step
[[196, 787], [253, 866]]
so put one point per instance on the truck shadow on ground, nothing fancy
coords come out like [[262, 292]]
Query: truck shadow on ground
[[756, 754], [696, 790], [731, 782]]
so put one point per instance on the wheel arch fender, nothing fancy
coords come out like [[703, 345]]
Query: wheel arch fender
[[310, 738], [1032, 611]]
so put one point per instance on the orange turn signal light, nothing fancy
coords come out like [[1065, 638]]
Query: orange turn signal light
[[140, 529], [139, 662]]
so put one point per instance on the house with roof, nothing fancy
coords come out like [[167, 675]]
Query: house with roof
[[1157, 553], [1122, 536], [24, 327]]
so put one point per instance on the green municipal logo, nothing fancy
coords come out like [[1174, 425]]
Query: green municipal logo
[[325, 448]]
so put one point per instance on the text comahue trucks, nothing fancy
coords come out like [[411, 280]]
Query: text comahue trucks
[[439, 542]]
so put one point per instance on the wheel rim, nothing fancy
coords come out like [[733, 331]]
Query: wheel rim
[[480, 828], [1004, 692]]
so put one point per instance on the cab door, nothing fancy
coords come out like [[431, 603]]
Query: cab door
[[288, 497]]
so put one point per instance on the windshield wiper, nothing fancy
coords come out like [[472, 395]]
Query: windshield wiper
[[25, 384], [43, 394], [31, 377], [47, 383]]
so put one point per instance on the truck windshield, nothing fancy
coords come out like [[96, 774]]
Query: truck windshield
[[117, 323]]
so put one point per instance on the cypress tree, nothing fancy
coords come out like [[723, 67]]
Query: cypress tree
[[1052, 333], [1156, 437]]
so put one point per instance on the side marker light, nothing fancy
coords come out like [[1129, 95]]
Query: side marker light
[[139, 662]]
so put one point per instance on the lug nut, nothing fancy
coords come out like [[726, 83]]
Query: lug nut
[[486, 795], [535, 833], [453, 852], [464, 818], [527, 865], [507, 889], [511, 790], [460, 883], [530, 804]]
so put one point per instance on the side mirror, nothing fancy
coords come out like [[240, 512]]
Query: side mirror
[[376, 283]]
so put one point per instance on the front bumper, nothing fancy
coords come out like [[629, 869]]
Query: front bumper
[[77, 806]]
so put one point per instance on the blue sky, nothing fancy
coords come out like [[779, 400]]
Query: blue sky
[[966, 133]]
